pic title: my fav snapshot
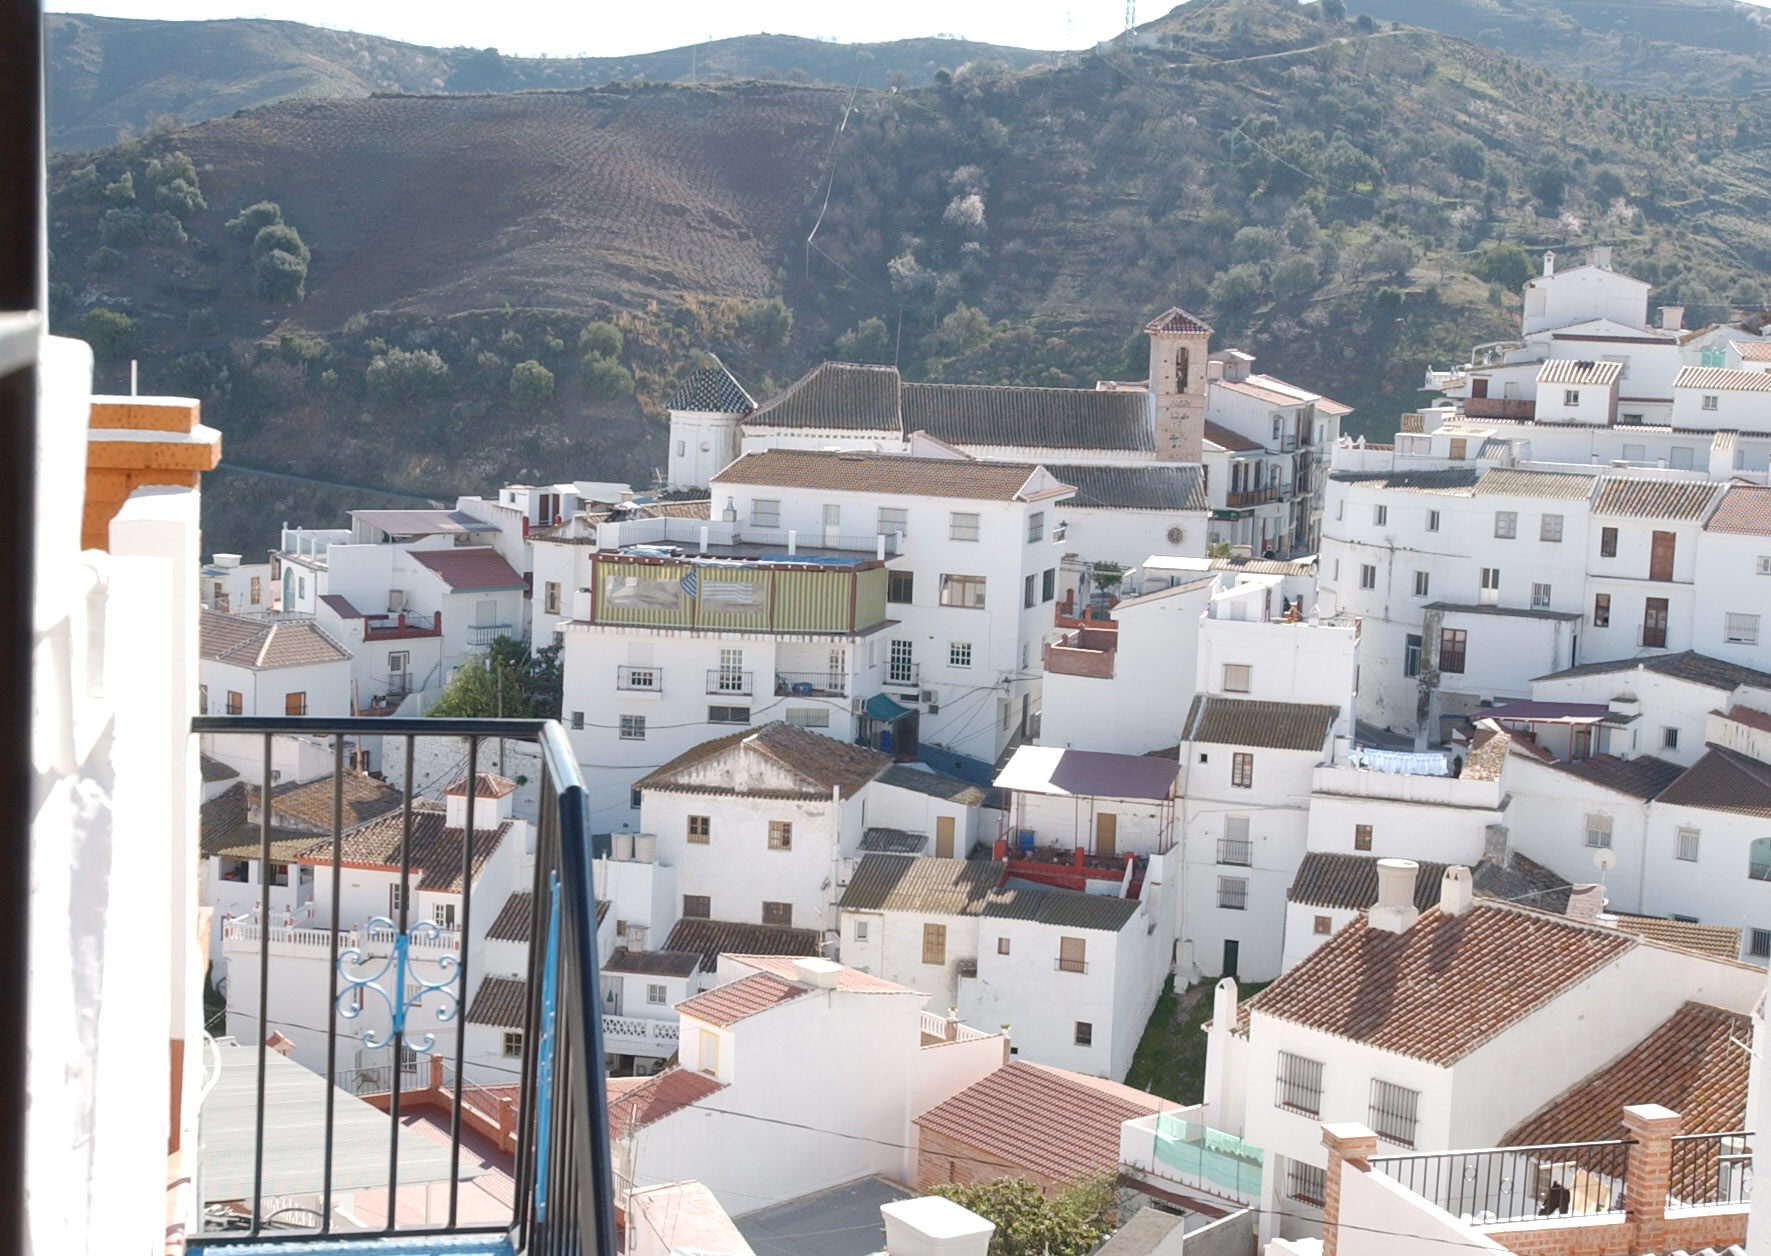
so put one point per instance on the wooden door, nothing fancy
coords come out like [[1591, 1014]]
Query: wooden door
[[944, 837], [1660, 559], [1106, 835], [1654, 623]]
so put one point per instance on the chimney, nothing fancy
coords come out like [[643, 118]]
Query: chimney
[[1602, 256], [1457, 892], [1549, 263], [1495, 845], [820, 974], [932, 1226], [1586, 902], [1672, 318], [1394, 911]]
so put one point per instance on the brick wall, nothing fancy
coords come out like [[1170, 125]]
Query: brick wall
[[942, 1159]]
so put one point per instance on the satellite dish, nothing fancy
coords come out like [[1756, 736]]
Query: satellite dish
[[1176, 536], [1604, 859]]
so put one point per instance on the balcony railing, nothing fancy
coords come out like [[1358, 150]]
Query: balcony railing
[[1505, 1184], [721, 681], [902, 674], [1710, 1169], [486, 634], [636, 1035], [1070, 965], [640, 679], [1252, 496], [400, 625], [815, 539], [811, 684], [1236, 851], [286, 1183]]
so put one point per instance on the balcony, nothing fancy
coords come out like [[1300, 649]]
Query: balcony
[[902, 675], [1240, 498], [640, 679], [516, 1164], [638, 1035], [1085, 652], [730, 684], [482, 635], [1070, 965], [1179, 1148], [1499, 408], [402, 626], [811, 685]]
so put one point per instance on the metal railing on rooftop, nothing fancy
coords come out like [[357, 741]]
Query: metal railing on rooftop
[[1709, 1169], [563, 1202], [736, 684], [811, 684], [1507, 1184]]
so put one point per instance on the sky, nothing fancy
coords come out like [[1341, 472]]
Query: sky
[[570, 28]]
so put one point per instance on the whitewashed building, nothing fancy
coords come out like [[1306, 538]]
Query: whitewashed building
[[233, 587], [277, 665]]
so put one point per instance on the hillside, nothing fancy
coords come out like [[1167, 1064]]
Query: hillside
[[108, 76], [1347, 203]]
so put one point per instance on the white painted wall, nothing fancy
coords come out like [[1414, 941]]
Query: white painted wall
[[263, 691]]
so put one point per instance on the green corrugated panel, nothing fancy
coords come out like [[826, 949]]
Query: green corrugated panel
[[636, 593], [733, 597], [812, 601], [870, 597]]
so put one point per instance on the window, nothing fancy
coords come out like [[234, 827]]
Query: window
[[1395, 1111], [697, 906], [962, 526], [1709, 401], [1549, 528], [967, 591], [1453, 644], [257, 594], [279, 874], [633, 799], [1491, 579], [443, 914], [551, 596], [1506, 524], [513, 1043], [1242, 770], [1300, 1084], [1361, 837], [1306, 1183], [893, 520], [959, 654], [809, 717], [765, 513], [1432, 521], [1758, 864], [902, 667], [1607, 542], [1669, 739], [1002, 946], [578, 719], [700, 830], [1654, 621], [1411, 655], [777, 913], [1072, 955], [239, 870], [728, 715], [655, 993], [707, 1058], [1036, 526], [1030, 591], [1322, 926], [1571, 396], [780, 835], [1764, 564], [1048, 585], [1685, 844], [1233, 893], [202, 699], [1234, 847], [1421, 584], [396, 899], [1740, 629], [633, 728], [1380, 515], [1237, 677], [860, 931], [934, 944], [900, 585], [1601, 610], [1367, 576], [236, 704], [1598, 830], [1540, 597], [1085, 1034], [1759, 946]]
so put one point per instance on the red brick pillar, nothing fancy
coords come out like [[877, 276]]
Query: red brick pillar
[[1350, 1146], [1649, 1171]]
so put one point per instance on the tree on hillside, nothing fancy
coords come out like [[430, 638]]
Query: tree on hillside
[[870, 341], [279, 278], [601, 338], [1029, 1223], [399, 375], [113, 336], [531, 384], [605, 378], [767, 323], [253, 219], [1504, 264], [506, 682]]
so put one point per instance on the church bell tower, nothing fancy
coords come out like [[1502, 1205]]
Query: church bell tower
[[1180, 347]]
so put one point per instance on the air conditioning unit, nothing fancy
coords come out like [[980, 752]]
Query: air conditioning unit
[[929, 695], [396, 600]]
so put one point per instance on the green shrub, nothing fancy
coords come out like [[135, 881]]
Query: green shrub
[[602, 339], [531, 384], [1255, 244], [767, 323], [113, 336], [83, 185], [122, 228], [280, 237], [402, 375], [122, 192], [165, 228], [279, 278], [356, 324], [296, 347], [202, 322], [174, 167], [1295, 276], [870, 341], [1506, 265], [105, 258], [1238, 287], [253, 219], [180, 198], [606, 379]]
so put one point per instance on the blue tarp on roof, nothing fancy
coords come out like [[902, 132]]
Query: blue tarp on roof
[[882, 708]]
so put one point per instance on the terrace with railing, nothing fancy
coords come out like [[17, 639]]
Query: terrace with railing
[[1181, 1149]]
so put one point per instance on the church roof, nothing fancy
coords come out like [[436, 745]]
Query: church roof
[[713, 390]]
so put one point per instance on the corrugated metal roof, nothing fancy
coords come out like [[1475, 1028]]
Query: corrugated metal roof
[[667, 963], [1638, 497], [1722, 379], [896, 474], [1572, 371], [1555, 484], [1134, 487], [1249, 722], [972, 887], [887, 841], [1088, 774], [1745, 510], [423, 522], [934, 784]]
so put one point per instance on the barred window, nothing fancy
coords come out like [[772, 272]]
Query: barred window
[[1306, 1183], [700, 830], [633, 728], [959, 654], [1759, 945], [1233, 893], [893, 519], [1300, 1084], [1550, 528], [780, 835], [934, 944], [1506, 524], [1234, 847], [1036, 526], [656, 994], [1687, 843], [765, 513], [1242, 769], [1395, 1112], [1598, 830], [962, 526], [809, 717]]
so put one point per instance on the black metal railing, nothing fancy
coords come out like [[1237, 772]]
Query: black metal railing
[[734, 683], [1507, 1184], [643, 679], [405, 1050], [811, 684], [1236, 851], [1710, 1169]]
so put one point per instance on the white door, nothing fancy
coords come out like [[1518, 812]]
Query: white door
[[832, 526]]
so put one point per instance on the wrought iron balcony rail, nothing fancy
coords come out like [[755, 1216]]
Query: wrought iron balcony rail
[[550, 1104], [1506, 1184], [811, 684], [1710, 1169], [737, 683]]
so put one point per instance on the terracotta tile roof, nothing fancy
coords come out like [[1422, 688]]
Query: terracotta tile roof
[[474, 569], [897, 474], [1748, 716], [1053, 1124], [1488, 755], [1334, 407], [1580, 371], [1327, 879], [1722, 941], [1642, 777], [852, 980], [309, 805], [652, 963], [1723, 781], [501, 1001], [1641, 498], [838, 396], [488, 785], [973, 887], [1745, 510], [1445, 481], [1722, 379], [1449, 983], [341, 606], [713, 938], [1174, 321], [1134, 487], [1753, 350], [934, 784], [436, 849], [822, 763], [215, 770], [1523, 881], [885, 841], [1693, 1063], [636, 1102], [1250, 722], [1687, 665], [712, 390], [1037, 418], [515, 919], [1566, 486], [265, 644], [736, 1000], [1231, 442]]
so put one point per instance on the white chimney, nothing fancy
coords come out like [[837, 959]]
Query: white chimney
[[1602, 256], [1672, 318], [932, 1226], [1586, 902], [1457, 892], [227, 560], [1549, 263], [820, 974], [1394, 911]]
